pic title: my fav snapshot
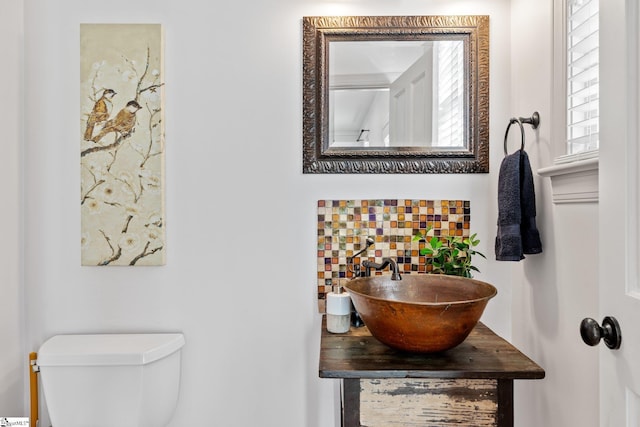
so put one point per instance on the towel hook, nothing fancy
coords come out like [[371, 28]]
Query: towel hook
[[534, 121]]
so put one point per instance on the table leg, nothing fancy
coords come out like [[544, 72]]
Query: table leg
[[351, 402], [505, 403]]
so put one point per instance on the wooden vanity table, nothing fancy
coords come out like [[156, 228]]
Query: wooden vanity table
[[470, 385]]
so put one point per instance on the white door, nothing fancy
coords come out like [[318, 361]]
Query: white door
[[411, 99], [619, 211]]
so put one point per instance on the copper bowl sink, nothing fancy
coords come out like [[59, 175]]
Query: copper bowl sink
[[423, 313]]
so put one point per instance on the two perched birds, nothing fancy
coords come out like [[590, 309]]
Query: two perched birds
[[122, 124]]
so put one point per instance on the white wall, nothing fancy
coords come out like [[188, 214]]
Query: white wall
[[553, 291], [240, 276], [13, 362]]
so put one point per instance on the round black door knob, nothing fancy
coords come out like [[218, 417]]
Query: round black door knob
[[592, 333]]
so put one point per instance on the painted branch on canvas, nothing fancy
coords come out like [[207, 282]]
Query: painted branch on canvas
[[122, 145]]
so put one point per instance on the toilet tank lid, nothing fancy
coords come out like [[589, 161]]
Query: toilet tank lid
[[107, 349]]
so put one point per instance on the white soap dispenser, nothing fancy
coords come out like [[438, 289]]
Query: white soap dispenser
[[338, 311]]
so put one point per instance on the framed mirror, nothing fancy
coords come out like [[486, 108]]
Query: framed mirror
[[396, 94]]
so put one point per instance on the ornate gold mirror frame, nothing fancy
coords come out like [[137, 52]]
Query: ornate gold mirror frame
[[320, 156]]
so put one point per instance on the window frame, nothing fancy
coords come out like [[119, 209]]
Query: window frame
[[574, 177]]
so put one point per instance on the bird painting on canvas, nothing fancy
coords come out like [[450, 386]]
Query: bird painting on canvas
[[100, 113], [123, 123]]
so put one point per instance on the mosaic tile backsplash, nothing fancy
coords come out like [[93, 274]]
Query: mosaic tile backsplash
[[343, 226]]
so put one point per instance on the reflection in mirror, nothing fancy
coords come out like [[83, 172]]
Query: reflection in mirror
[[396, 94]]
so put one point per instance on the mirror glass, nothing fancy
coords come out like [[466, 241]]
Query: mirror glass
[[399, 94]]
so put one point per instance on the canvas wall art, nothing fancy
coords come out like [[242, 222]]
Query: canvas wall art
[[122, 145]]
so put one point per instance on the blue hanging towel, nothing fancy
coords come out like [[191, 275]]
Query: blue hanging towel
[[517, 232]]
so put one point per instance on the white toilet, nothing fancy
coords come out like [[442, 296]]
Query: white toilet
[[123, 380]]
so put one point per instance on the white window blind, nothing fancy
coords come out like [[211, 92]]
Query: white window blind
[[450, 94], [582, 76]]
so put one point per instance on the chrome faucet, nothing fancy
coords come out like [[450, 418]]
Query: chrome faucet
[[393, 266]]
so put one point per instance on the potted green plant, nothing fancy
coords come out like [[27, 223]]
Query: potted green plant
[[450, 254]]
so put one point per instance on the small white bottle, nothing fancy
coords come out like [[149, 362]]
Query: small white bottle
[[338, 311]]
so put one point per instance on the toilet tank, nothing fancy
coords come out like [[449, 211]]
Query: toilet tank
[[107, 380]]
